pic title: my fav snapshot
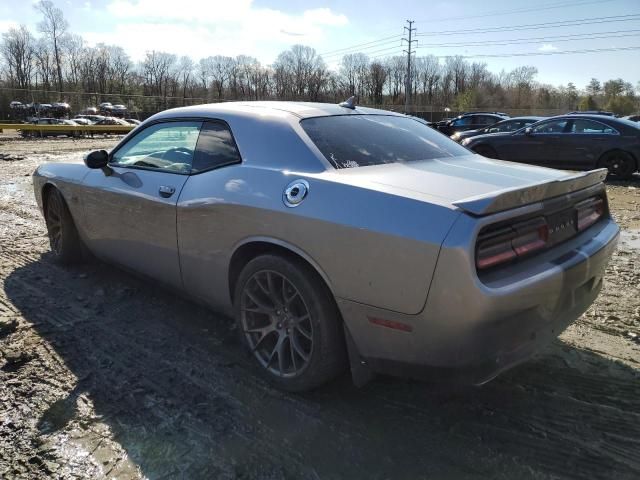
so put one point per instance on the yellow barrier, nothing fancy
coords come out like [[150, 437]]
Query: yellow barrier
[[67, 128]]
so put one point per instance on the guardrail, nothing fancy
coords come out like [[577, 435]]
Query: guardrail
[[67, 128]]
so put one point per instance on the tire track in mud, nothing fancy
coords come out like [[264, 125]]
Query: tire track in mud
[[270, 412], [183, 401], [126, 353], [231, 425]]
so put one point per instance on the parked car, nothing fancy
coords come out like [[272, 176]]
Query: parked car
[[119, 109], [82, 121], [50, 133], [593, 112], [571, 142], [509, 125], [92, 118], [132, 121], [470, 121], [633, 118], [335, 233], [112, 121]]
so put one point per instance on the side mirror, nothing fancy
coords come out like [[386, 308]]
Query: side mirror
[[97, 159], [528, 131]]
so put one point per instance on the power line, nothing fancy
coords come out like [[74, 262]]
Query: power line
[[363, 50], [536, 26], [538, 54], [503, 12], [518, 10], [360, 44], [520, 41]]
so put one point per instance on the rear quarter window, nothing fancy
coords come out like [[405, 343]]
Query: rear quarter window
[[349, 141]]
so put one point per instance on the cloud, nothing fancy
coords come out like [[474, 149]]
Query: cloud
[[548, 47], [200, 28], [5, 25], [292, 34]]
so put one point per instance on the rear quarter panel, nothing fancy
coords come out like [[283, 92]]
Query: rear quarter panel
[[372, 247]]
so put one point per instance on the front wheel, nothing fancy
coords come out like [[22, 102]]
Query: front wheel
[[620, 164], [289, 321], [63, 237]]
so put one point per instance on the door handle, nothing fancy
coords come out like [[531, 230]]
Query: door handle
[[166, 191]]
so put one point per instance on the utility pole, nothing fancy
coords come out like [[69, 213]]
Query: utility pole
[[409, 52]]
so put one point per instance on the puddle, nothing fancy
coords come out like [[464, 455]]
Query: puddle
[[630, 238]]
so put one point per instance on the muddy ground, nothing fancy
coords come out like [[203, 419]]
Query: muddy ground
[[104, 375]]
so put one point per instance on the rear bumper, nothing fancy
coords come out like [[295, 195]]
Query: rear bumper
[[471, 330]]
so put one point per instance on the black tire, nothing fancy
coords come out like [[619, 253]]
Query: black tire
[[309, 352], [485, 151], [64, 241], [620, 164]]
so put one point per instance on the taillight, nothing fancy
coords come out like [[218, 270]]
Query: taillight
[[589, 212], [509, 243]]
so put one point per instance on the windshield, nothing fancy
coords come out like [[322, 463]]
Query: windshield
[[349, 141]]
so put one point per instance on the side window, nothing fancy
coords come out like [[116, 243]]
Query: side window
[[462, 121], [483, 120], [507, 126], [164, 146], [553, 126], [589, 126], [215, 148]]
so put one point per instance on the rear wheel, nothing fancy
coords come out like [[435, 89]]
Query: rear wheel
[[63, 237], [485, 151], [289, 321], [620, 164]]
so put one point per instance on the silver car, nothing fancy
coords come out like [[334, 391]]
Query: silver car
[[341, 236]]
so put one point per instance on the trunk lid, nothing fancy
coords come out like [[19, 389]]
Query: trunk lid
[[473, 183]]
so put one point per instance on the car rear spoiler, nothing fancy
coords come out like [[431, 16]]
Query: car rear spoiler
[[517, 197]]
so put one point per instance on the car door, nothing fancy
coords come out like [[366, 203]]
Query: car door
[[546, 144], [130, 207], [204, 226], [586, 141]]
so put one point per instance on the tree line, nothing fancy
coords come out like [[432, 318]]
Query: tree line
[[57, 60]]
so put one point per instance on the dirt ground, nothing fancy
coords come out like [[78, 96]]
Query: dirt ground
[[104, 375]]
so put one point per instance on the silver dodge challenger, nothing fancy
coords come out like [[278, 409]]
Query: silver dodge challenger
[[341, 237]]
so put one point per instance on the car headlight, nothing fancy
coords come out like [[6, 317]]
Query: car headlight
[[466, 141]]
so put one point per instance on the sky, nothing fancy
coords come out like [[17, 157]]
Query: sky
[[264, 28]]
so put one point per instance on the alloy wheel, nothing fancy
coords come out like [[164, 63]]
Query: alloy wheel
[[616, 164], [277, 323]]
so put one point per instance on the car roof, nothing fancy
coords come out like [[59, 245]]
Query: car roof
[[261, 108], [500, 114], [591, 116], [525, 117]]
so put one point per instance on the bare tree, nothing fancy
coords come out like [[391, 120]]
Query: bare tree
[[119, 68], [73, 47], [300, 73], [354, 69], [53, 26], [44, 64], [17, 51], [377, 79], [427, 71]]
